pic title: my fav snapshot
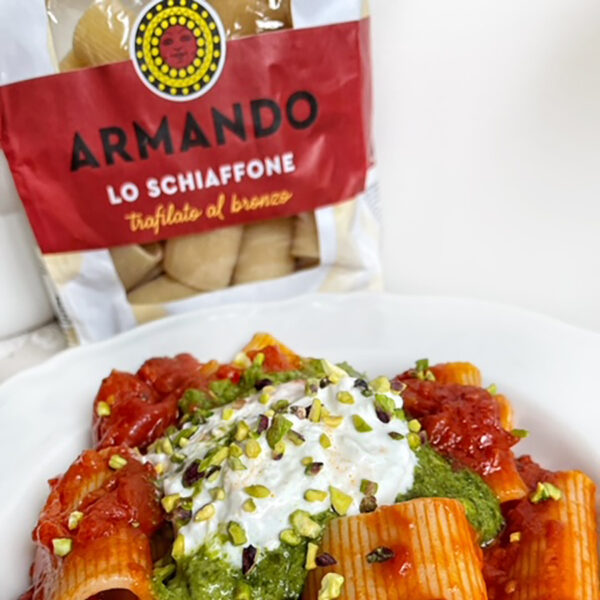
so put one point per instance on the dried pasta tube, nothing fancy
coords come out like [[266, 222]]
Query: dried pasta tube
[[161, 289], [253, 16], [557, 557], [463, 373], [422, 549], [134, 263], [71, 63], [265, 251], [101, 34], [306, 237], [204, 261]]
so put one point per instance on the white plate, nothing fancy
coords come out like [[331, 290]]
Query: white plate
[[548, 369]]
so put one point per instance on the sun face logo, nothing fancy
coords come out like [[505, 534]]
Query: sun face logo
[[178, 48]]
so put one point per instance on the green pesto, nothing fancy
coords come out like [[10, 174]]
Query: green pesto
[[436, 478], [279, 575]]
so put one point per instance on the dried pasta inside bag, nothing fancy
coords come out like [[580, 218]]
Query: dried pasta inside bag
[[306, 241]]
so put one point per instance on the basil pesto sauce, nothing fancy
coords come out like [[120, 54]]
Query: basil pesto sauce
[[436, 478], [279, 575]]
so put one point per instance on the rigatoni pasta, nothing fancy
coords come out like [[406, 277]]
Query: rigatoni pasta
[[422, 549]]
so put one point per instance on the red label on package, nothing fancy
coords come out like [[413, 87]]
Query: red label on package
[[100, 160]]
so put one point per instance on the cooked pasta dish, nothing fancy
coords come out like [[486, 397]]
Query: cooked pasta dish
[[281, 477]]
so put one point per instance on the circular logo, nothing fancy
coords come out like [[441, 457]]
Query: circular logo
[[178, 48]]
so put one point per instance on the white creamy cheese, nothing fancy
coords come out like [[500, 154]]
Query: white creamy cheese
[[352, 457]]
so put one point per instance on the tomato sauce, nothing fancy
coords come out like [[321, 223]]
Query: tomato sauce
[[462, 423], [529, 521], [108, 499]]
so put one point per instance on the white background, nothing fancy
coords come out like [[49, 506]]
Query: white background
[[488, 128], [488, 123]]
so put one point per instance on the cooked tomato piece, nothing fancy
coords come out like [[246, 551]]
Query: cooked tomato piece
[[276, 361], [137, 414], [462, 422], [165, 375], [228, 372]]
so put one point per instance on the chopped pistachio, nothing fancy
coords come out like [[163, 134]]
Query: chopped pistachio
[[290, 537], [315, 411], [279, 450], [493, 389], [228, 414], [360, 424], [307, 460], [414, 440], [395, 435], [235, 451], [304, 525], [62, 546], [279, 428], [217, 493], [259, 359], [345, 398], [334, 373], [178, 551], [311, 554], [339, 501], [545, 491], [236, 464], [213, 474], [333, 421], [314, 468], [400, 414], [264, 398], [177, 458], [160, 469], [219, 456], [324, 413], [368, 504], [381, 385], [237, 534], [249, 506], [325, 441], [384, 408], [315, 495], [169, 503], [414, 426], [242, 361], [296, 438], [331, 586], [253, 449], [270, 413], [103, 409], [74, 519], [183, 442], [165, 446], [380, 555], [207, 512], [281, 406], [520, 433], [242, 430], [422, 370], [258, 491], [515, 537], [243, 591], [368, 488], [117, 462]]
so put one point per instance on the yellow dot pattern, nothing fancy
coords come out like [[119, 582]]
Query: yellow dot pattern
[[179, 82]]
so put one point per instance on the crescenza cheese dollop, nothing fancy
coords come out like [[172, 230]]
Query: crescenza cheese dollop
[[348, 442]]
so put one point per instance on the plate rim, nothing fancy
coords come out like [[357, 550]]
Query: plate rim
[[151, 328]]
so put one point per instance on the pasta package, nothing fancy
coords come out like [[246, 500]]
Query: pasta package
[[195, 153]]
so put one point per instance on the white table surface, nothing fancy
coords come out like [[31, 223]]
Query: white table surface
[[488, 131]]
